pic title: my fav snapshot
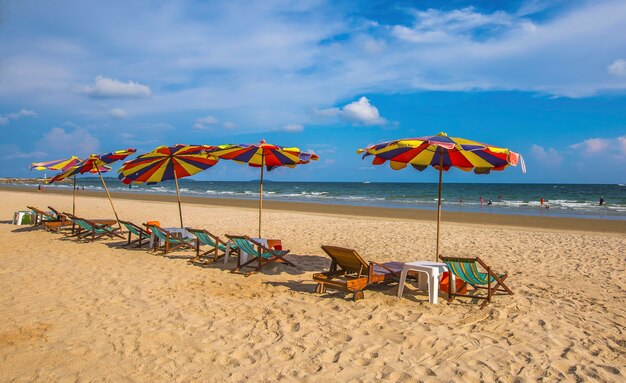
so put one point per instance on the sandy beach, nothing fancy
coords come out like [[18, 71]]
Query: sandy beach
[[82, 312]]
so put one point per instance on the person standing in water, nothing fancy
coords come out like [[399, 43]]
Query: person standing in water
[[541, 201], [601, 202], [481, 200]]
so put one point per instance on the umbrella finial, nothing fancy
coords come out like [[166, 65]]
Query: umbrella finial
[[263, 141], [442, 134]]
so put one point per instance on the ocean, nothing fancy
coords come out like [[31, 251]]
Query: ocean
[[564, 200]]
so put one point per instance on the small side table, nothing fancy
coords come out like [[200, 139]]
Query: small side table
[[23, 217], [433, 270]]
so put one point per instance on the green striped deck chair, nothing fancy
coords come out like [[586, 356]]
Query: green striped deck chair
[[168, 241], [466, 269], [259, 255], [137, 231], [217, 247], [90, 231]]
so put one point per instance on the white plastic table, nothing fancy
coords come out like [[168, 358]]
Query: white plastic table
[[18, 217], [183, 233], [433, 270]]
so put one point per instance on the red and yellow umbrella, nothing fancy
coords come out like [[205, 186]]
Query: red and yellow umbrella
[[167, 163], [262, 155], [442, 153], [95, 164]]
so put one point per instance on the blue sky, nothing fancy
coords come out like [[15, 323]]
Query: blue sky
[[544, 78]]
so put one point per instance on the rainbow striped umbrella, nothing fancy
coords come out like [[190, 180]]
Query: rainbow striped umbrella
[[262, 155], [64, 165], [167, 163], [442, 153], [95, 164]]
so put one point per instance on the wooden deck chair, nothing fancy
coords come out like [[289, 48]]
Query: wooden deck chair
[[259, 254], [62, 221], [42, 216], [217, 247], [169, 242], [138, 231], [350, 272], [90, 231], [466, 269]]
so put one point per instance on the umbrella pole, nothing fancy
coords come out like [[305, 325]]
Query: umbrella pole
[[439, 205], [180, 211], [261, 194], [109, 195], [74, 197]]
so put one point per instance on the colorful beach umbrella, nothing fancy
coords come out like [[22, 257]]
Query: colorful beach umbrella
[[442, 153], [61, 165], [95, 164], [262, 155], [167, 163]]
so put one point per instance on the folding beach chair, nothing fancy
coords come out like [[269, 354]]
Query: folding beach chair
[[466, 269], [217, 247], [62, 221], [138, 231], [90, 231], [42, 216], [260, 255], [349, 272], [169, 241]]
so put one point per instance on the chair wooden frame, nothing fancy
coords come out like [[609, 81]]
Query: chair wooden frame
[[172, 242], [350, 272], [262, 255], [139, 232], [499, 279], [215, 243]]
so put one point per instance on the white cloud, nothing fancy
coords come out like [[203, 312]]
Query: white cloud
[[16, 116], [617, 68], [205, 123], [12, 151], [79, 141], [293, 128], [229, 125], [111, 88], [549, 158], [608, 147], [118, 113], [359, 112]]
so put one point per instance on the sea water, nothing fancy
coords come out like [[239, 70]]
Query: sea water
[[568, 200]]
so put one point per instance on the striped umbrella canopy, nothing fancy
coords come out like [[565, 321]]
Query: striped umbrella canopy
[[64, 165], [262, 155], [95, 164], [167, 163], [442, 153]]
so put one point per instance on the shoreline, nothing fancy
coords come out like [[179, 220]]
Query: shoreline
[[509, 220]]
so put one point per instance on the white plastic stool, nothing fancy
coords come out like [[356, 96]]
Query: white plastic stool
[[18, 217]]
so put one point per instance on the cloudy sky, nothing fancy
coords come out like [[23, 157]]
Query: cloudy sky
[[546, 78]]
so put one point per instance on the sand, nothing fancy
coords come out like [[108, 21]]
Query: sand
[[81, 312]]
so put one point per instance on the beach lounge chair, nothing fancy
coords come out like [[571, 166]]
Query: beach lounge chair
[[138, 231], [42, 216], [217, 247], [90, 231], [259, 255], [349, 272], [466, 269], [169, 241], [62, 221]]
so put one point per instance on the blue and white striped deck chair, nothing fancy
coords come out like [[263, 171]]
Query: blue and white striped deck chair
[[259, 255], [217, 247], [169, 242], [466, 269]]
